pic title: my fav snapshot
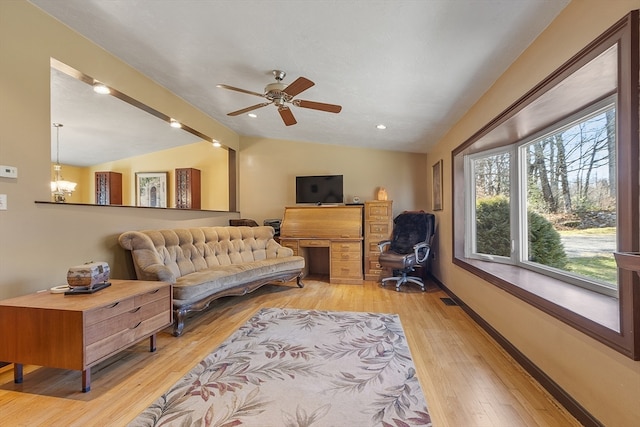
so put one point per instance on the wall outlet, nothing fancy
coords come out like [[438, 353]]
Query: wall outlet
[[3, 202]]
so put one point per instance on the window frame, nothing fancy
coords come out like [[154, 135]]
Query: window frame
[[518, 201], [623, 333]]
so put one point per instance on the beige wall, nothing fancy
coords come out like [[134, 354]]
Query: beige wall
[[268, 168], [40, 242], [605, 382]]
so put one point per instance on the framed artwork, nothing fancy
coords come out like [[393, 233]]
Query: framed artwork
[[437, 186], [151, 189]]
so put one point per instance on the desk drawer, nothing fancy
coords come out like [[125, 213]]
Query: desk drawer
[[291, 244], [346, 256], [310, 243], [346, 269], [341, 247]]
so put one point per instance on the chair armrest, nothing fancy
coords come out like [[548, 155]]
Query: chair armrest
[[424, 248], [383, 244]]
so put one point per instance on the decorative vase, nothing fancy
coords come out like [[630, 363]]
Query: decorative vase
[[382, 194]]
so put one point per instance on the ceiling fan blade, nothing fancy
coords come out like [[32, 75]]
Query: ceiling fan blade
[[299, 85], [287, 116], [246, 110], [330, 108], [237, 89]]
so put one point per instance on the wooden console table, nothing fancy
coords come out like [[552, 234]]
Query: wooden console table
[[79, 331], [336, 229]]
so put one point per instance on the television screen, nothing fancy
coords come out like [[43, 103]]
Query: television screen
[[319, 189]]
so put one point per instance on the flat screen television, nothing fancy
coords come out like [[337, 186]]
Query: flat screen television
[[322, 189]]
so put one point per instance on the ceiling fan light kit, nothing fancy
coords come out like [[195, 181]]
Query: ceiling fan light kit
[[280, 94]]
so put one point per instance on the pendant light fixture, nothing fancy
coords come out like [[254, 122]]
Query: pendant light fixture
[[60, 188]]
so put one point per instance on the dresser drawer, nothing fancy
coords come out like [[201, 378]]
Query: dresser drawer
[[374, 248], [127, 320], [379, 211], [373, 264], [378, 229], [126, 337], [109, 311], [162, 293]]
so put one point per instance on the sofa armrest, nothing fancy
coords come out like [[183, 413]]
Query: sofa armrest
[[146, 260], [280, 251]]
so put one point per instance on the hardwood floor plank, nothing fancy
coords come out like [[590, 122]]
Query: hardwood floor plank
[[467, 379]]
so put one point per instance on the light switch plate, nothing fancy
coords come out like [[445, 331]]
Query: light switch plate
[[3, 202]]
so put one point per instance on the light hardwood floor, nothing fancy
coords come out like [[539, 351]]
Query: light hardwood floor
[[467, 379]]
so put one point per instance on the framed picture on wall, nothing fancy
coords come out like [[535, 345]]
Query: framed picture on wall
[[151, 189], [437, 186]]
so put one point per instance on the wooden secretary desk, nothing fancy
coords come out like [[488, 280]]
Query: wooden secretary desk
[[333, 233]]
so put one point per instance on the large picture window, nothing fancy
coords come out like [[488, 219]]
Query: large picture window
[[547, 192], [558, 216]]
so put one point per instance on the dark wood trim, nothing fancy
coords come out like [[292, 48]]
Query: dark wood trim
[[564, 398], [625, 34], [233, 180]]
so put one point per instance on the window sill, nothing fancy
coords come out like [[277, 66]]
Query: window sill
[[586, 310]]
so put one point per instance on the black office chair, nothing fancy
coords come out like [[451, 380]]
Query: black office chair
[[409, 247]]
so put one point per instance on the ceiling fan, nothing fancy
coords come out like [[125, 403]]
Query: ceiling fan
[[280, 94]]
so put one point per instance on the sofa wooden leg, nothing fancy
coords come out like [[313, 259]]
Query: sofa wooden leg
[[178, 322], [299, 282]]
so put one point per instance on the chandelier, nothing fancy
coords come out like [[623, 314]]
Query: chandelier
[[60, 188]]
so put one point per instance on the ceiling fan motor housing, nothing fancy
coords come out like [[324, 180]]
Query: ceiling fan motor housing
[[274, 90]]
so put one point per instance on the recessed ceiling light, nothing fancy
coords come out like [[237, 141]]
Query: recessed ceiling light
[[252, 115], [216, 143], [381, 126], [175, 124], [101, 89]]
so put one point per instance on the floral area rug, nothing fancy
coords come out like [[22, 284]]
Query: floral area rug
[[300, 368]]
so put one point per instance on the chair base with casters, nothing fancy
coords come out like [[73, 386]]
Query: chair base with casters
[[403, 264], [408, 248]]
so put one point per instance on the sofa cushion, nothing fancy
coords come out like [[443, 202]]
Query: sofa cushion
[[206, 282]]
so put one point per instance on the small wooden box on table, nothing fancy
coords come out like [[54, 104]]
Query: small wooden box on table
[[79, 331]]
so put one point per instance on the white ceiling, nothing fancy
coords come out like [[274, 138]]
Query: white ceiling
[[415, 66]]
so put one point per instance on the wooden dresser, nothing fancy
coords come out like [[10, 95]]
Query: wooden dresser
[[378, 225], [79, 331], [336, 230]]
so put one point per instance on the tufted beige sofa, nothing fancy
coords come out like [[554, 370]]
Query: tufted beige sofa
[[207, 263]]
